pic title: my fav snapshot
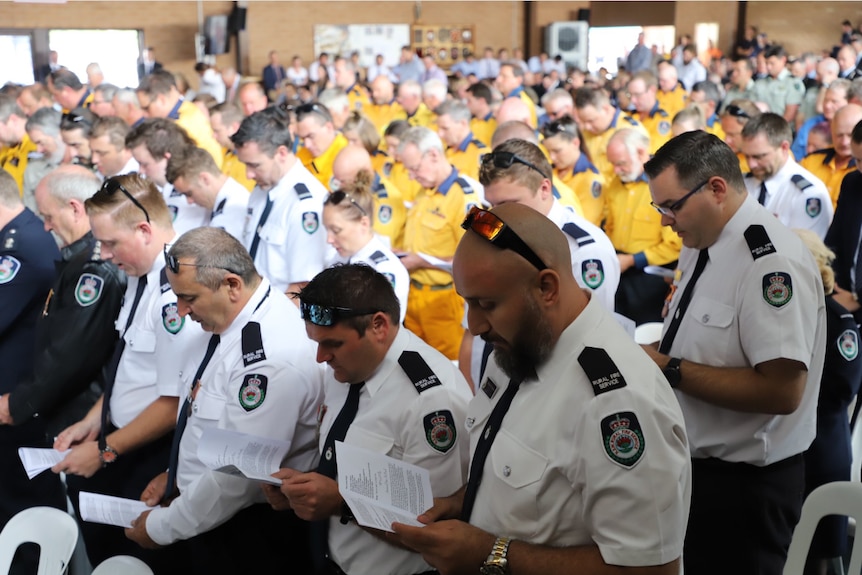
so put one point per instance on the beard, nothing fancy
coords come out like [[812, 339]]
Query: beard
[[530, 347]]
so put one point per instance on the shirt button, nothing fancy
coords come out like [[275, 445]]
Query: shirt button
[[507, 471], [705, 318]]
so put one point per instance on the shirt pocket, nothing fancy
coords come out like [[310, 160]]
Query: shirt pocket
[[517, 472], [207, 406], [369, 440], [274, 234], [646, 225], [140, 341]]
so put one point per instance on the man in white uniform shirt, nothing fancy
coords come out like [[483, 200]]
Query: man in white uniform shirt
[[108, 151], [257, 377], [386, 391], [125, 439], [743, 345], [283, 230], [793, 194], [153, 142], [194, 174]]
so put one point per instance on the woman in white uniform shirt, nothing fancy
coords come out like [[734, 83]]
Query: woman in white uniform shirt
[[347, 216]]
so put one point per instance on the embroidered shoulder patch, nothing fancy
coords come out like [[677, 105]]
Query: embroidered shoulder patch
[[848, 344], [171, 319], [596, 189], [623, 438], [593, 273], [777, 289], [758, 241], [601, 370], [440, 430], [88, 289], [384, 214], [310, 222], [812, 207], [9, 267], [252, 392]]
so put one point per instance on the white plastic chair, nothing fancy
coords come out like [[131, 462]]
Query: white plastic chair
[[122, 565], [836, 498], [55, 531], [647, 333]]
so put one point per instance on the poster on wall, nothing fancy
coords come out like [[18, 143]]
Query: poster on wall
[[367, 39], [447, 44]]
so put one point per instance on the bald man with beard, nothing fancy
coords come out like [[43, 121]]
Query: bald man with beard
[[560, 359], [390, 214]]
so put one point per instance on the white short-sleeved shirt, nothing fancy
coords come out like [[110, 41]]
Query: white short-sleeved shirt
[[185, 216], [230, 210], [158, 337], [796, 197], [297, 77], [759, 298], [593, 452], [594, 259], [292, 245], [423, 428], [263, 380], [379, 256], [131, 166]]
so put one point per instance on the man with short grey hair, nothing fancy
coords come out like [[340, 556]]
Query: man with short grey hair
[[463, 150], [103, 100], [43, 127]]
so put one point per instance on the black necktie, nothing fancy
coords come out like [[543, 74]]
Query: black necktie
[[183, 418], [761, 199], [266, 209], [685, 298], [329, 467], [483, 447], [109, 371]]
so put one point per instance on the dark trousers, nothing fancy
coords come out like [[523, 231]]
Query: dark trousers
[[255, 540], [126, 477], [18, 492], [742, 516], [640, 296]]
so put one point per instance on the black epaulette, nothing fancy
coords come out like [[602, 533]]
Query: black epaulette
[[220, 207], [418, 371], [10, 239], [581, 236], [378, 257], [601, 370], [479, 144], [758, 241], [252, 344], [302, 191], [165, 285], [468, 189], [630, 120], [800, 182]]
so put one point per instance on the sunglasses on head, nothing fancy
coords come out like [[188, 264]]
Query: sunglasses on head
[[312, 108], [337, 197], [112, 186], [737, 112], [496, 231], [174, 264], [327, 316], [560, 127], [504, 161], [76, 119]]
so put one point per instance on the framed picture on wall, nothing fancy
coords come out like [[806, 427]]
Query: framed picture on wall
[[447, 44]]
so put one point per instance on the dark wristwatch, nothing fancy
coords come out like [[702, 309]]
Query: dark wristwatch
[[672, 373], [497, 563], [108, 455]]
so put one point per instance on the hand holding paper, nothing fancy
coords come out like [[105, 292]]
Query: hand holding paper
[[241, 454]]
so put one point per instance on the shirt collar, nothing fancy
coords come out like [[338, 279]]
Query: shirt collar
[[389, 363], [78, 246], [83, 100], [175, 111], [462, 147], [571, 342], [447, 183], [516, 93], [583, 165]]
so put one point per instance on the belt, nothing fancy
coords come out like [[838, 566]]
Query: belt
[[332, 568], [430, 287]]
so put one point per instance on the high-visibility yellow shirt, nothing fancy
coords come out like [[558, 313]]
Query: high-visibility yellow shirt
[[321, 166], [14, 159], [193, 121], [397, 174], [390, 214], [824, 165], [597, 144], [467, 156], [587, 184], [381, 115], [233, 167], [423, 117], [657, 124], [483, 128], [673, 101], [358, 97], [713, 126]]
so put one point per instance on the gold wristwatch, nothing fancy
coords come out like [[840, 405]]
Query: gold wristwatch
[[497, 563]]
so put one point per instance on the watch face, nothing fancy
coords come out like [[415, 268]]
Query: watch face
[[109, 456]]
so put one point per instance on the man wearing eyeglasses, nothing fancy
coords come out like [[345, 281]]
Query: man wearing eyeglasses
[[833, 164], [321, 142], [284, 216], [125, 439], [749, 394], [386, 391], [579, 455], [793, 194], [642, 90], [257, 377], [431, 235], [75, 128]]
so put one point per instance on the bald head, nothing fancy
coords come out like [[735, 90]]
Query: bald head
[[843, 123], [514, 110], [513, 131], [349, 162]]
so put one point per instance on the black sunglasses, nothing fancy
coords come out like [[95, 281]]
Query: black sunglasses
[[496, 231], [174, 264], [112, 186], [312, 108], [327, 316], [737, 112], [337, 197], [560, 127], [76, 119], [504, 161]]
